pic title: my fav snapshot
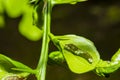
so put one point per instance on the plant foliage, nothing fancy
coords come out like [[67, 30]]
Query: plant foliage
[[78, 52]]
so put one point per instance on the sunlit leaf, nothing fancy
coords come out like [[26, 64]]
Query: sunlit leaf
[[66, 1], [7, 66], [107, 67], [87, 58], [8, 63], [14, 8], [2, 73], [77, 64], [116, 56], [26, 26], [30, 19]]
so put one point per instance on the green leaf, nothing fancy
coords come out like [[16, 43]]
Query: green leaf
[[2, 73], [10, 66], [13, 69], [66, 1], [116, 57], [22, 7], [82, 61], [77, 64], [107, 67], [14, 8], [26, 26]]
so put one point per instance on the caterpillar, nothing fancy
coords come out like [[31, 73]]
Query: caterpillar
[[13, 78], [76, 51]]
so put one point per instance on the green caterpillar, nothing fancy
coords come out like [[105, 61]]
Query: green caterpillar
[[75, 50]]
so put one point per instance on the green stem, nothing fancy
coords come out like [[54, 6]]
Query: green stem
[[44, 52]]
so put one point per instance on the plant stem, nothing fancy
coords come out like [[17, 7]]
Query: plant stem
[[44, 52]]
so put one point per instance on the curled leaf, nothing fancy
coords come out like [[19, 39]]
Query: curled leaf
[[107, 67], [75, 50], [79, 52]]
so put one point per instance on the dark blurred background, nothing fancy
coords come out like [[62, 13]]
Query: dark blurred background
[[97, 20]]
